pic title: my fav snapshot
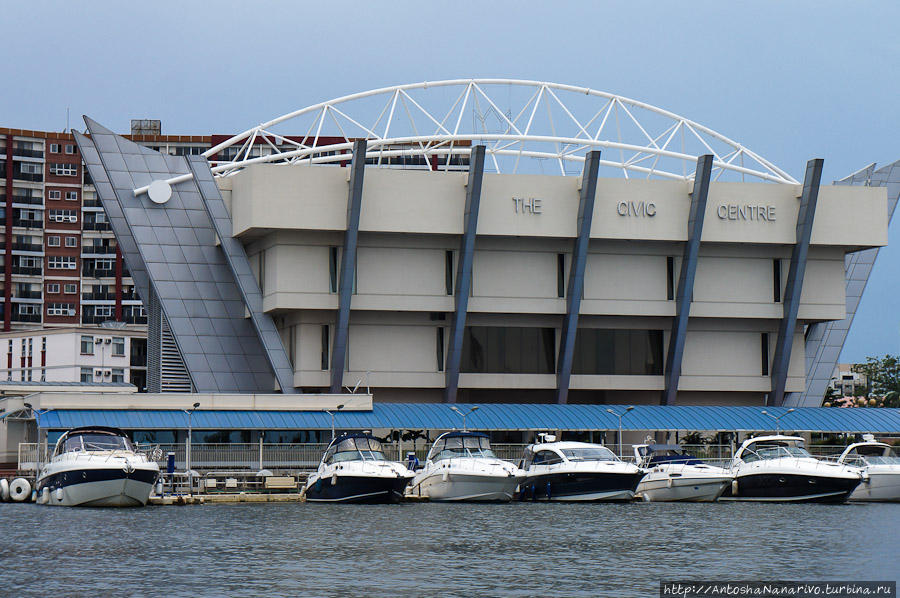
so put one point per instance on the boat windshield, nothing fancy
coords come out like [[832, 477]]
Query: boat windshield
[[589, 453], [356, 449], [882, 460], [455, 447], [773, 451], [96, 442]]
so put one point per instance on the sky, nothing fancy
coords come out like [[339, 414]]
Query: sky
[[790, 80]]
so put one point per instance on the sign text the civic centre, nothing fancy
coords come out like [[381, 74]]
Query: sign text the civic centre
[[732, 211]]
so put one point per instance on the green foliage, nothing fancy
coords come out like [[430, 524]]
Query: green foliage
[[883, 373]]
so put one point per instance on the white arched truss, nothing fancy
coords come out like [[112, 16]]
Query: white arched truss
[[526, 126]]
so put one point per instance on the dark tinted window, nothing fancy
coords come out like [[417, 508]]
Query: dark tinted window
[[618, 352], [509, 350]]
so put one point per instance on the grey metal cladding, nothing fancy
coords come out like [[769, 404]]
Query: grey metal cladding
[[239, 264], [172, 243], [821, 356]]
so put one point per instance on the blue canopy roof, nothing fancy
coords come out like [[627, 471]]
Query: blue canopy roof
[[495, 416]]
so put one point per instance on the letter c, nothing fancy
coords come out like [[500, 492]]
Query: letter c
[[651, 209], [722, 212], [620, 207]]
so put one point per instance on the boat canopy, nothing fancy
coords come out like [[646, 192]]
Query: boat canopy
[[457, 444]]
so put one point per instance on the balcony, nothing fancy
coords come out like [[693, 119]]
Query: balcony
[[29, 200], [99, 296], [26, 318], [90, 225], [98, 272], [92, 203], [27, 295], [35, 247], [27, 270], [27, 153], [28, 222], [37, 177], [98, 250], [90, 318]]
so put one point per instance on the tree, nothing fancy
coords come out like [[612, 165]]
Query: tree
[[882, 373]]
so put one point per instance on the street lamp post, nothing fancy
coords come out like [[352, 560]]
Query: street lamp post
[[339, 407], [620, 416], [777, 418], [187, 448], [464, 415]]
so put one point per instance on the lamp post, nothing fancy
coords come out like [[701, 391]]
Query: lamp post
[[620, 416], [339, 407], [777, 418], [464, 415], [187, 447], [37, 413]]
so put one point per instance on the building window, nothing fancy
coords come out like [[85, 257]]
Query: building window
[[509, 350], [560, 274], [63, 169], [61, 262], [333, 268], [53, 288], [87, 375], [29, 309], [618, 352], [60, 309], [324, 346], [70, 288], [440, 349], [118, 346], [71, 241], [118, 375], [54, 148], [764, 354], [670, 278], [104, 311], [776, 280], [54, 194], [62, 216], [87, 345], [26, 261], [71, 195], [30, 168], [448, 271], [53, 241], [70, 148]]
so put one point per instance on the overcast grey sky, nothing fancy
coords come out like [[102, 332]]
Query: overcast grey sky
[[790, 80]]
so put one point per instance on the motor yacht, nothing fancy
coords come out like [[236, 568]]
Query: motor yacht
[[96, 466], [462, 467], [576, 471], [354, 469], [673, 475], [881, 470], [778, 468]]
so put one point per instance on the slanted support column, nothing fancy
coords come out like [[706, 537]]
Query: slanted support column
[[685, 290], [794, 284], [575, 286], [348, 265], [464, 272]]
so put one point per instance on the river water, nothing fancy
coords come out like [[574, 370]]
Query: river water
[[519, 549]]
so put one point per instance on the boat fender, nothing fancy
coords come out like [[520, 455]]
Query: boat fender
[[4, 489], [668, 482], [734, 487], [19, 490], [59, 494], [334, 479], [864, 475], [45, 495], [445, 476]]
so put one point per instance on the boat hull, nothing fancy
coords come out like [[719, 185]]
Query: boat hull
[[665, 488], [880, 487], [467, 487], [580, 486], [785, 487], [357, 489], [93, 487]]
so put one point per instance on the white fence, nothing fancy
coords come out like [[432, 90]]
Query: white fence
[[306, 457]]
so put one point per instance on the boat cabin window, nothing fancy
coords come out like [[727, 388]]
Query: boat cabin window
[[355, 449], [781, 450], [546, 458], [95, 442], [589, 453], [461, 446], [873, 455]]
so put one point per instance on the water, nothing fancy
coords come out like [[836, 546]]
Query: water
[[436, 549]]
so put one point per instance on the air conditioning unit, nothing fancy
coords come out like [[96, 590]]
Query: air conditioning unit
[[98, 341], [73, 218], [107, 373], [71, 312], [107, 341]]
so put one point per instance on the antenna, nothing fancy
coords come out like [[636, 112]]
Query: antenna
[[67, 120]]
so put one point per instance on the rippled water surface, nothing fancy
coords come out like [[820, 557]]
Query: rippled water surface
[[436, 549]]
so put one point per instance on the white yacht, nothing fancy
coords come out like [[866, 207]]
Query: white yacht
[[462, 467], [576, 471], [881, 470], [354, 469], [778, 468], [673, 475], [96, 466]]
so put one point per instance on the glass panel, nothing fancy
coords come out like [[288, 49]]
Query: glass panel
[[509, 350], [618, 352]]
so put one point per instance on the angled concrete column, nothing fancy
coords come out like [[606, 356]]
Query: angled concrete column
[[685, 291], [348, 265], [464, 272], [575, 286], [794, 286]]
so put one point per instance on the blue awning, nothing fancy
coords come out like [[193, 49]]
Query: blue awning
[[493, 416]]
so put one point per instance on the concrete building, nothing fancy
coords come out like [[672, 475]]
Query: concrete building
[[718, 285], [89, 355]]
